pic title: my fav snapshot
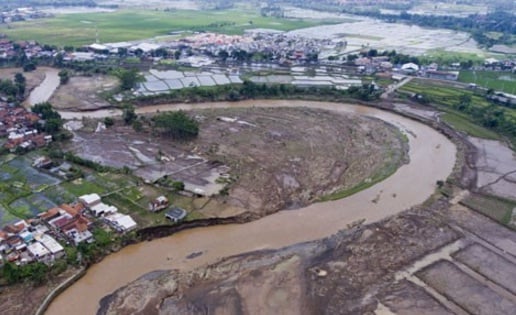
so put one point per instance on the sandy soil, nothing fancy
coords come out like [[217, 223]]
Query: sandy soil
[[82, 93]]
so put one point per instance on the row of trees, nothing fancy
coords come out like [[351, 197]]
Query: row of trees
[[249, 90]]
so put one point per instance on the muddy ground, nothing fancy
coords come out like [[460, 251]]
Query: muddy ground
[[83, 93], [273, 159], [428, 260], [496, 164]]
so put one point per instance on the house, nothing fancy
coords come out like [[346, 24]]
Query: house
[[49, 214], [51, 244], [158, 204], [121, 222], [42, 162], [100, 209], [175, 214], [443, 75], [73, 209], [26, 236], [90, 200], [38, 251], [77, 230], [410, 68]]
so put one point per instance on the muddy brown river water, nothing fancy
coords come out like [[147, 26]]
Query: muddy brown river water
[[432, 157], [44, 91]]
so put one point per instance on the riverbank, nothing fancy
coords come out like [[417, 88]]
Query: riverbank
[[429, 150]]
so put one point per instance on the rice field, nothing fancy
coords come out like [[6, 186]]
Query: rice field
[[499, 81], [127, 25]]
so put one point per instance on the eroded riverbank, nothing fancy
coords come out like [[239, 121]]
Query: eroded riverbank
[[432, 157]]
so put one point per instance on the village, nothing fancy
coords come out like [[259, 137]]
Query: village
[[44, 237]]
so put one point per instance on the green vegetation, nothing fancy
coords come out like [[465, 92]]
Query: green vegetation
[[497, 208], [36, 272], [499, 81], [53, 122], [126, 25], [465, 105], [177, 125], [444, 57], [250, 90], [64, 76], [128, 78], [462, 123]]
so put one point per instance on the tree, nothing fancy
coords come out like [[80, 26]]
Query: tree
[[108, 121], [64, 77], [53, 121], [178, 186], [19, 81], [11, 273], [223, 55], [128, 78], [176, 124], [29, 67], [129, 115]]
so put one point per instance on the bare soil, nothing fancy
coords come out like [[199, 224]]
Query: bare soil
[[273, 159], [83, 93]]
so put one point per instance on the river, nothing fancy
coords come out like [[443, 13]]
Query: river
[[432, 157], [44, 91]]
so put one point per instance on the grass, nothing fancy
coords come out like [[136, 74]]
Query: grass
[[127, 25], [380, 175], [82, 187], [447, 95], [499, 81], [448, 57], [462, 123], [496, 208]]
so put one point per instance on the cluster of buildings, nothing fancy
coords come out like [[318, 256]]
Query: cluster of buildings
[[107, 213], [24, 242], [10, 49], [40, 239], [271, 45], [370, 65], [18, 126], [21, 14]]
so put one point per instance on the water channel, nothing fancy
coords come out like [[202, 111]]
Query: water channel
[[432, 157], [44, 91]]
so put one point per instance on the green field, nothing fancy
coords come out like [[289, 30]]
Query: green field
[[499, 81], [472, 119], [126, 25], [461, 123], [496, 208], [448, 57], [448, 95]]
